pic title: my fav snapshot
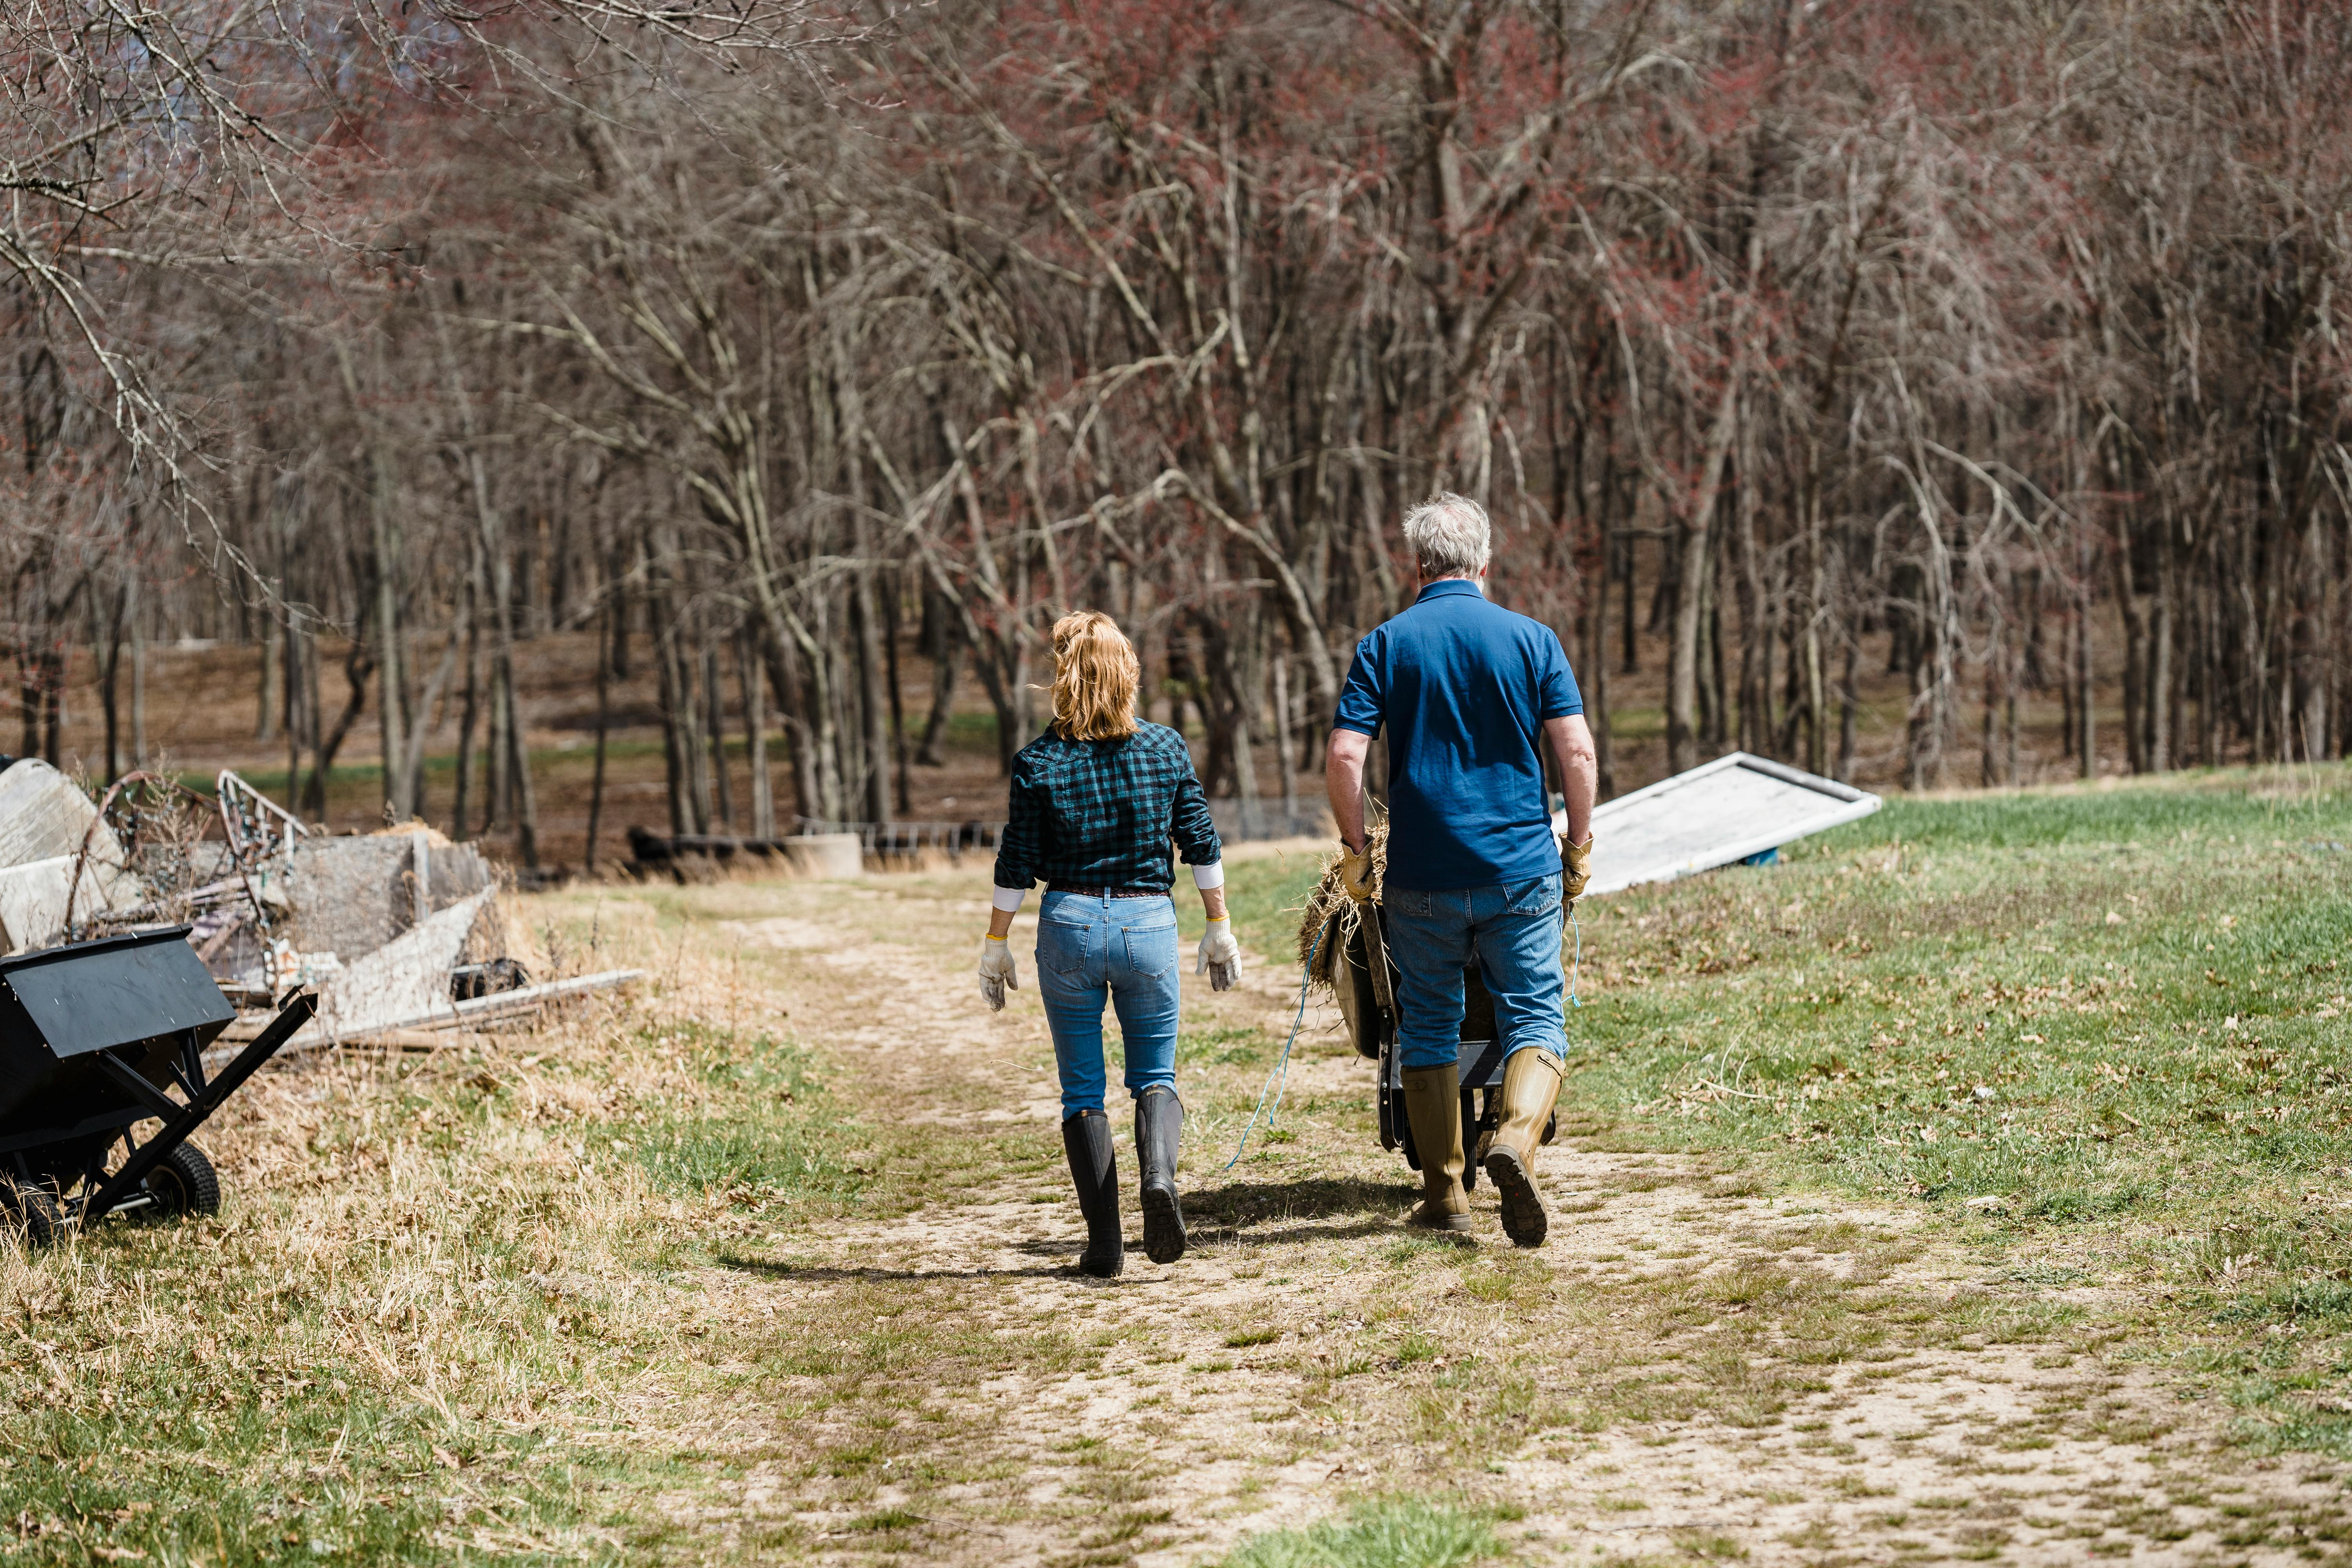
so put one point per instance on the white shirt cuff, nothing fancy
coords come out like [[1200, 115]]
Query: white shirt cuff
[[1211, 875], [1009, 898]]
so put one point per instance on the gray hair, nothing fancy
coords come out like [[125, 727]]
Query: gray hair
[[1449, 536]]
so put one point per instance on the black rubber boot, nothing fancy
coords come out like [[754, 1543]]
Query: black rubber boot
[[1093, 1170], [1158, 1117]]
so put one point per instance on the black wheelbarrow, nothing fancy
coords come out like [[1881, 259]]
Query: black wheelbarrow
[[94, 1038], [1363, 979]]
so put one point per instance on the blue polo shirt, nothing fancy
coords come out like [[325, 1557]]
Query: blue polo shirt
[[1463, 687]]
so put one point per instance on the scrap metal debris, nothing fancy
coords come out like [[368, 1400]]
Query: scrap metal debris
[[397, 931], [57, 859]]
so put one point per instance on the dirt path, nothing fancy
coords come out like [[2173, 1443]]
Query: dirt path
[[1695, 1367]]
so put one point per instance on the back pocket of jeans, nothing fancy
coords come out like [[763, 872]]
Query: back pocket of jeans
[[1063, 949], [1533, 898], [1151, 950]]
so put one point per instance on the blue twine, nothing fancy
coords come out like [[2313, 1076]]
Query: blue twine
[[1306, 971], [1282, 1067], [1576, 966]]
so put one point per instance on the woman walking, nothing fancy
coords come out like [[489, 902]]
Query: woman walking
[[1095, 801]]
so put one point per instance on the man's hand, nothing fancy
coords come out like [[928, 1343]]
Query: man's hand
[[997, 973], [1356, 873], [1576, 869], [1220, 957]]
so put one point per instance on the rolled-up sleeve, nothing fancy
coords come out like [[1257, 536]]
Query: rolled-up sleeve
[[1189, 822], [1023, 838]]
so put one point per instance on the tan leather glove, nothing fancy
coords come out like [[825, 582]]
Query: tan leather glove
[[1576, 869], [1356, 873]]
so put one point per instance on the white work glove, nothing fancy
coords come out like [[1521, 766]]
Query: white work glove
[[997, 973], [1221, 956]]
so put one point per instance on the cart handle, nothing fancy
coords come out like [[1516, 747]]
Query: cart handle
[[1376, 952], [143, 1160]]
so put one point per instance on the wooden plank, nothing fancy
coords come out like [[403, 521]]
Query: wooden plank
[[441, 1025]]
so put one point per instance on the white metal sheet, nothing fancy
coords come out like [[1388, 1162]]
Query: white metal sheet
[[1716, 814]]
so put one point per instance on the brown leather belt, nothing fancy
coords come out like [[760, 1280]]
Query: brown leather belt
[[1106, 892]]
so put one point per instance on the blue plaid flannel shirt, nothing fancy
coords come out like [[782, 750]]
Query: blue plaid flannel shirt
[[1100, 814]]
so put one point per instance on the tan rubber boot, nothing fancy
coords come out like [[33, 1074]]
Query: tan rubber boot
[[1432, 1104], [1531, 1086]]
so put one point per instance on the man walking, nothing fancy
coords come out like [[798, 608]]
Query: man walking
[[1473, 696]]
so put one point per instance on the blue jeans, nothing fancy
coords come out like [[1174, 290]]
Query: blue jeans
[[1511, 932], [1124, 949]]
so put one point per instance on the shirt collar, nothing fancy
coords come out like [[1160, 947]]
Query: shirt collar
[[1449, 586]]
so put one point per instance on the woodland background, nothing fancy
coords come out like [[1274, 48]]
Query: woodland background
[[528, 416]]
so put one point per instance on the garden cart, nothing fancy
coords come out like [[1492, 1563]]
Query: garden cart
[[95, 1039]]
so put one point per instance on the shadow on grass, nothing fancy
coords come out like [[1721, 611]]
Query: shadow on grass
[[770, 1268], [1298, 1210], [1242, 1203]]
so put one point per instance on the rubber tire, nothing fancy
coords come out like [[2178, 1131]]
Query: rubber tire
[[33, 1212], [184, 1184]]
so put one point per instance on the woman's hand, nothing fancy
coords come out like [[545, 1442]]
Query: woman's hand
[[997, 973], [1221, 956]]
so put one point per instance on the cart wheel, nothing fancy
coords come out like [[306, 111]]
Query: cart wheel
[[32, 1211], [184, 1184]]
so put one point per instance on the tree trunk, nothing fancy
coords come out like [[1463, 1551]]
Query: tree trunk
[[266, 688], [1755, 635], [469, 714], [1847, 705], [944, 646], [358, 667], [873, 700], [613, 621], [1282, 730], [2138, 690], [139, 687], [800, 742], [105, 632], [1683, 659], [301, 691], [755, 734], [1595, 685], [1630, 660], [714, 698], [518, 748], [384, 539], [2164, 674], [897, 697], [2086, 740], [687, 726], [497, 781], [675, 751]]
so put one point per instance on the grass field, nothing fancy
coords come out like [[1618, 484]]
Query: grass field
[[759, 1265]]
